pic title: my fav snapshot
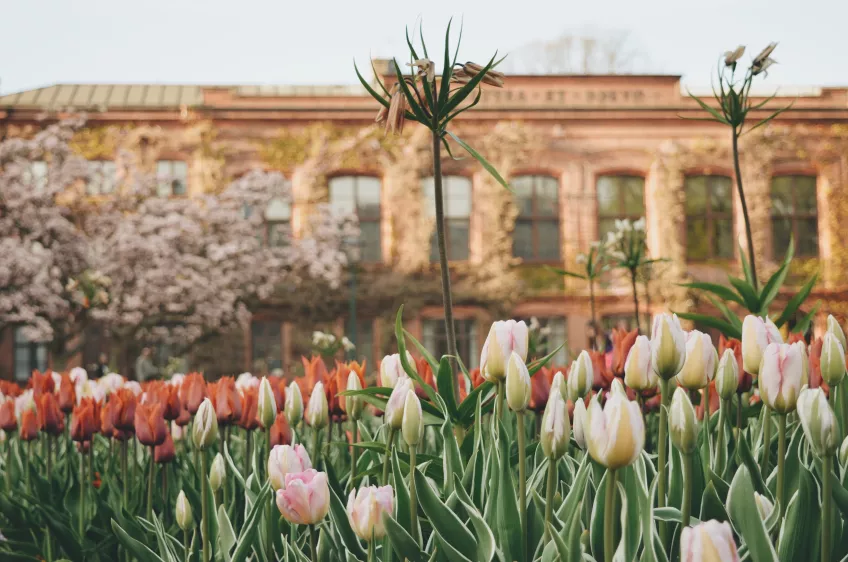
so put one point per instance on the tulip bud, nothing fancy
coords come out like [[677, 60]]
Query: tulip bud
[[217, 473], [757, 334], [805, 362], [294, 404], [391, 369], [700, 364], [412, 425], [204, 432], [764, 505], [580, 424], [638, 373], [354, 404], [710, 541], [581, 377], [555, 427], [819, 422], [615, 433], [832, 360], [518, 386], [668, 346], [317, 411], [843, 452], [394, 408], [727, 375], [183, 512], [266, 406], [682, 423], [834, 328], [504, 338], [781, 371], [365, 510], [285, 459], [559, 385]]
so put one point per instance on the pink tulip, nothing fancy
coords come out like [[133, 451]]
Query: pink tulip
[[285, 460], [504, 338], [305, 499], [365, 509]]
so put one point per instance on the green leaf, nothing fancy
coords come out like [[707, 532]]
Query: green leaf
[[462, 110], [565, 273], [728, 314], [754, 470], [745, 517], [410, 370], [401, 488], [452, 460], [469, 405], [250, 529], [447, 69], [796, 301], [434, 363], [485, 163], [443, 519], [729, 330], [402, 543], [383, 101], [341, 523], [715, 114], [535, 366], [672, 514], [772, 286], [226, 538], [418, 113], [752, 301], [445, 384], [139, 550], [746, 266], [721, 291], [485, 538], [804, 323], [233, 468], [799, 536], [712, 506], [460, 95]]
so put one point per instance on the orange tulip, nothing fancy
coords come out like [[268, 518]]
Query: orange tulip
[[107, 428], [184, 417], [169, 397], [315, 371], [123, 412], [281, 433], [745, 379], [816, 380], [8, 421], [193, 391], [83, 422], [540, 388], [341, 374], [603, 376], [29, 425], [67, 394], [50, 418], [278, 387], [227, 401], [150, 428], [622, 341], [165, 452], [250, 401], [41, 383], [714, 401], [476, 377], [10, 389]]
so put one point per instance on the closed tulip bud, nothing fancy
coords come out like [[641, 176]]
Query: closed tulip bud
[[834, 328], [781, 371], [365, 510], [581, 377], [412, 425], [285, 459], [682, 423], [217, 473], [764, 505], [8, 420], [67, 396], [555, 431], [805, 362], [668, 346], [727, 375], [294, 404], [558, 385], [504, 338], [757, 334], [391, 369], [354, 404], [393, 415], [638, 373], [204, 431], [832, 360], [819, 422], [50, 418], [518, 387], [710, 541], [843, 452], [700, 364], [580, 424], [266, 406], [305, 497], [150, 427], [615, 433], [317, 411], [183, 512]]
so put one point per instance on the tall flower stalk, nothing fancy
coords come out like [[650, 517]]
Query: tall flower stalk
[[594, 265]]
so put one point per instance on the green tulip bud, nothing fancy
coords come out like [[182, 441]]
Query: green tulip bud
[[317, 411], [727, 375], [294, 404], [555, 430], [266, 407], [204, 432], [682, 422], [581, 376], [834, 328], [217, 473], [819, 422], [832, 360], [517, 384], [353, 405], [183, 512], [412, 425]]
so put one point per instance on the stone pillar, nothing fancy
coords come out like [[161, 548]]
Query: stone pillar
[[833, 217], [578, 222], [756, 163], [309, 188]]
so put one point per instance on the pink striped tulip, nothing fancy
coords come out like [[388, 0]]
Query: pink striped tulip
[[305, 500]]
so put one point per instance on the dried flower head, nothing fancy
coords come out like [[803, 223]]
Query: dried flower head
[[731, 57], [426, 69], [492, 77]]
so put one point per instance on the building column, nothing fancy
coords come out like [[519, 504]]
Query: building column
[[756, 181], [833, 216]]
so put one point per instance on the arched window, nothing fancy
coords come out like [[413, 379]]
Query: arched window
[[619, 197], [29, 355], [794, 213], [709, 217], [360, 195], [173, 177], [278, 222], [101, 177], [536, 236], [457, 200]]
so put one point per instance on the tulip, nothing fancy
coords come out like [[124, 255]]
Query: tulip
[[317, 414], [727, 375], [217, 473], [150, 427], [843, 452], [281, 432], [615, 433], [165, 453], [67, 396], [834, 328], [504, 338], [391, 369], [668, 346], [284, 460], [249, 409], [819, 422], [123, 413], [204, 431], [622, 343], [555, 429], [700, 364], [683, 424], [169, 397], [266, 407], [757, 334], [518, 387], [294, 404], [559, 386], [29, 425], [710, 541], [183, 513], [353, 405], [305, 497], [638, 373], [50, 418], [781, 372], [412, 425], [227, 401], [8, 420], [366, 508], [83, 423], [580, 423], [832, 360], [393, 415], [581, 377], [764, 505], [193, 392]]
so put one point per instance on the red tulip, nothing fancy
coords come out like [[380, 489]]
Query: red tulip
[[278, 387], [184, 417], [10, 389], [8, 421], [745, 379], [169, 397], [123, 412], [107, 428], [41, 383], [150, 428], [227, 401], [281, 433], [29, 425], [622, 341], [603, 375], [815, 377], [165, 452], [83, 421], [250, 402], [193, 392], [67, 394], [540, 389], [50, 418]]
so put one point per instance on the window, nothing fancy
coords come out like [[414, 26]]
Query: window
[[36, 175], [552, 333], [101, 177], [436, 340], [267, 344], [29, 356], [360, 195], [364, 339], [794, 214], [619, 197], [536, 235], [278, 222], [709, 217], [456, 191], [173, 177]]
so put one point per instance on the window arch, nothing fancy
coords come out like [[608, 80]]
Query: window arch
[[709, 217], [536, 235], [619, 197], [794, 214], [360, 195], [457, 200], [278, 222]]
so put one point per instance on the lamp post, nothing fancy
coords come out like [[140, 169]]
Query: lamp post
[[351, 245]]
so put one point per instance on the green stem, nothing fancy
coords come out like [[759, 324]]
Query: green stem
[[747, 220], [501, 392], [549, 498], [766, 442], [371, 549], [82, 492], [150, 485], [264, 465], [781, 457], [522, 482], [609, 517], [248, 449], [827, 463], [738, 427], [843, 388], [316, 447], [47, 535], [635, 300], [389, 440], [204, 508], [124, 475], [312, 543], [722, 416], [709, 459], [28, 461], [8, 462], [413, 495], [355, 437], [186, 545], [687, 488], [663, 456]]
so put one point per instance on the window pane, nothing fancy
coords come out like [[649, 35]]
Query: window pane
[[342, 194], [41, 357], [523, 188], [781, 232], [548, 239], [605, 226], [808, 238], [457, 197], [608, 196], [522, 240], [23, 369], [278, 210], [370, 241], [368, 193], [634, 196], [696, 194], [720, 190], [267, 344], [805, 194], [547, 202], [20, 337], [781, 196], [278, 234], [428, 192], [697, 241], [466, 339], [723, 236], [457, 239]]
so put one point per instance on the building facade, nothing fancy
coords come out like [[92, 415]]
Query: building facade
[[579, 151]]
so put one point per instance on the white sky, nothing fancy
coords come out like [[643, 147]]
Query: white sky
[[315, 41]]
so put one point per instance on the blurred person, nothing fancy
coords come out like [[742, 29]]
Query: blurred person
[[144, 367], [101, 368]]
